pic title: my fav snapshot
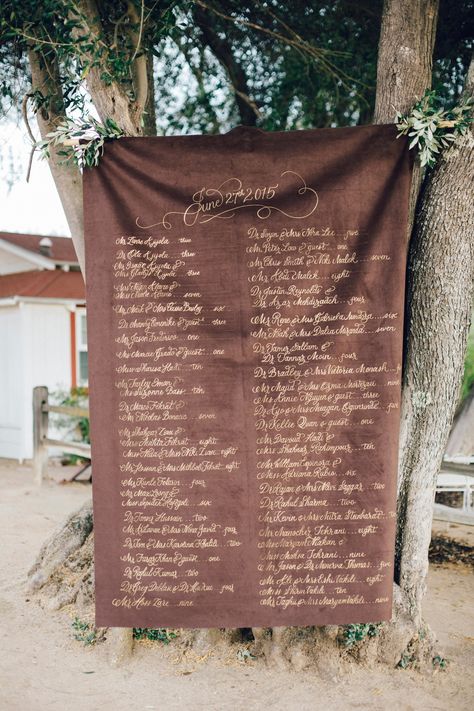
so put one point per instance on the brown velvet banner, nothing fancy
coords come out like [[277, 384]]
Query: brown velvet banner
[[245, 301]]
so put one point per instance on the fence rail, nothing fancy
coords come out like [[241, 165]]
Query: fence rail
[[41, 441], [452, 515]]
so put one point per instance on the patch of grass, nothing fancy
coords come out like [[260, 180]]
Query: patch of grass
[[353, 634], [84, 632], [155, 635]]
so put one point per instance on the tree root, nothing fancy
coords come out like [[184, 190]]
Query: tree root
[[63, 574]]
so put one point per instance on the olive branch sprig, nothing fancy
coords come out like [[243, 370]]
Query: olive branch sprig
[[432, 128], [80, 141]]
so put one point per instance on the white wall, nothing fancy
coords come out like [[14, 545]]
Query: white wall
[[36, 347], [12, 263], [12, 383]]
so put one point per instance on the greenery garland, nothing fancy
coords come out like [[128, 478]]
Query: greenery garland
[[80, 142], [432, 128]]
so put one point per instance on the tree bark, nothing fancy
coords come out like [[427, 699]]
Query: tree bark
[[45, 79], [222, 50], [439, 290], [404, 66], [439, 303], [112, 100], [405, 56]]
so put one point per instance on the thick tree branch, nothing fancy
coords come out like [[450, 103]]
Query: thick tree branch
[[293, 40], [139, 57], [222, 50], [149, 114], [45, 79], [112, 100]]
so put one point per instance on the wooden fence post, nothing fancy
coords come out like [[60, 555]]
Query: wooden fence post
[[40, 432]]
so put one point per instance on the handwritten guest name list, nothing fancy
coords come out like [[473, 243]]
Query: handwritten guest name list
[[245, 351]]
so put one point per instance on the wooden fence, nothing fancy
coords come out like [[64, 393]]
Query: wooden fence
[[41, 442]]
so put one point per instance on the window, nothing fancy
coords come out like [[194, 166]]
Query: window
[[81, 348]]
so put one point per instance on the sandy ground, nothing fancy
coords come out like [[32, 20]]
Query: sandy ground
[[43, 668]]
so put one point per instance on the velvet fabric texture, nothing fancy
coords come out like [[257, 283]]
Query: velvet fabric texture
[[245, 299]]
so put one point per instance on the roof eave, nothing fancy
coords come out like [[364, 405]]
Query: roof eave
[[28, 255], [14, 300]]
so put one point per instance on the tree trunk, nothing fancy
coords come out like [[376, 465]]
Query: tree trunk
[[405, 55], [404, 67], [110, 101], [439, 290], [439, 302]]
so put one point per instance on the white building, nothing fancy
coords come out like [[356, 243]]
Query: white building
[[43, 337]]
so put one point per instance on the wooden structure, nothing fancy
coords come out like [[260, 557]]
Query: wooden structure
[[43, 331], [41, 442]]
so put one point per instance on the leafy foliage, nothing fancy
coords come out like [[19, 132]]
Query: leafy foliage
[[244, 655], [154, 635], [353, 634], [407, 660], [84, 632], [218, 63], [432, 127], [81, 141]]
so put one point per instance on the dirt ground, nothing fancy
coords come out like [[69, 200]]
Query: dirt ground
[[43, 668]]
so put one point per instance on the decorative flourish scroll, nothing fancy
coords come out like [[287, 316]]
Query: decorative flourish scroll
[[207, 203]]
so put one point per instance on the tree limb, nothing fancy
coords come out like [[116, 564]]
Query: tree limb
[[294, 41], [139, 58], [46, 80], [111, 100], [149, 113], [222, 50]]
